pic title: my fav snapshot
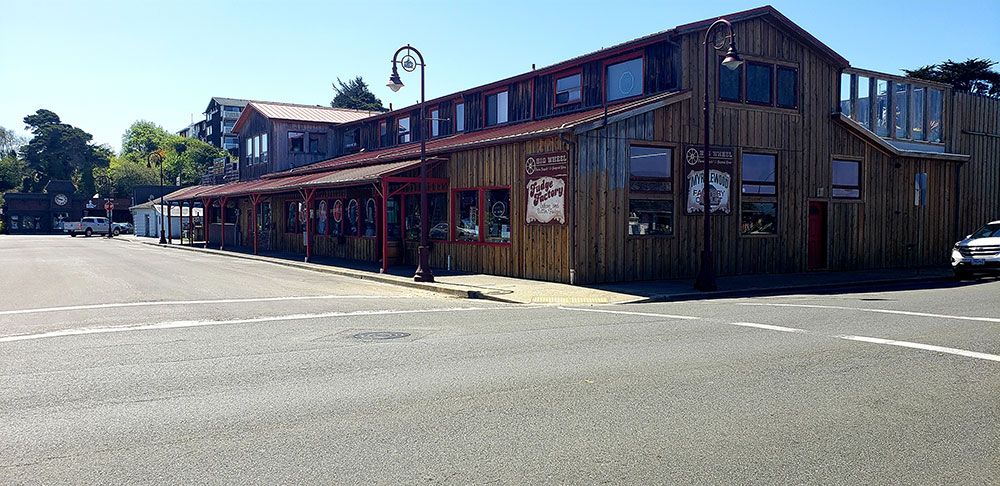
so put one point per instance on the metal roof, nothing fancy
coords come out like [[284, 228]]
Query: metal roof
[[323, 114]]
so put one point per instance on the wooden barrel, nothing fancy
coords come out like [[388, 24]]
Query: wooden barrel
[[394, 255]]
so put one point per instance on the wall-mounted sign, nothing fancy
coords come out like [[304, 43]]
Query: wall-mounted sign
[[720, 178], [545, 184]]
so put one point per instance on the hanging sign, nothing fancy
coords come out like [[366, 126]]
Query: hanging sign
[[720, 178], [545, 185]]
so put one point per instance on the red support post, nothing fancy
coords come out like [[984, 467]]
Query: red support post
[[254, 201], [191, 222], [309, 193], [385, 224], [222, 223], [206, 216]]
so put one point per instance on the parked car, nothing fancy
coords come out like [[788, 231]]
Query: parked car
[[89, 226], [978, 252], [123, 228]]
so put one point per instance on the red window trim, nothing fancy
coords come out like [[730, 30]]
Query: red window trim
[[480, 202], [631, 56], [485, 109], [578, 71]]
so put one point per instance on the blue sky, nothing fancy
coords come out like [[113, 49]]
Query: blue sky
[[103, 64]]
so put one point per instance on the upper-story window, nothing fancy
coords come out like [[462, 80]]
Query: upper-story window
[[787, 91], [496, 108], [881, 107], [256, 149], [296, 142], [624, 79], [917, 96], [435, 122], [568, 89], [459, 117], [759, 79], [383, 133], [403, 130], [902, 109], [249, 151], [730, 83], [351, 139], [908, 110], [317, 143]]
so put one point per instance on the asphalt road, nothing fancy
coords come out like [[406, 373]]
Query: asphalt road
[[123, 363]]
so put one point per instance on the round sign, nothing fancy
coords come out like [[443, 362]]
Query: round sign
[[338, 210], [626, 83], [692, 156], [61, 200], [499, 209], [352, 211], [529, 165]]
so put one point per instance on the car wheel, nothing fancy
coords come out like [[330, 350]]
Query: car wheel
[[88, 232], [72, 234], [116, 232]]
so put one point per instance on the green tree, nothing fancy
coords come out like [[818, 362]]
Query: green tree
[[184, 158], [10, 142], [972, 75], [60, 151], [356, 95], [12, 173], [128, 171]]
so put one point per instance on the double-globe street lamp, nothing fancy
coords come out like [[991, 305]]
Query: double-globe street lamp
[[706, 275], [409, 64], [157, 155]]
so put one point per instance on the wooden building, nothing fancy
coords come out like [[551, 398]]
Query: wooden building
[[588, 170]]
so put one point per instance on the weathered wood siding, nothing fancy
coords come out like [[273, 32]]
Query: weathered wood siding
[[976, 132]]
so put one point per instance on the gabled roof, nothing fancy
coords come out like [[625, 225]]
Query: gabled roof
[[305, 113], [226, 102]]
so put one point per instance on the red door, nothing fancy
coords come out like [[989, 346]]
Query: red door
[[817, 235]]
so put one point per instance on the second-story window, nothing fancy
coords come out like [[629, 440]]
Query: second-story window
[[249, 151], [459, 117], [256, 149], [788, 87], [496, 108], [730, 83], [263, 147], [568, 89], [296, 142], [383, 133], [759, 83], [403, 130], [624, 79], [435, 122], [316, 144], [350, 139]]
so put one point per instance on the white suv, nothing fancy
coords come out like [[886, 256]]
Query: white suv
[[978, 252]]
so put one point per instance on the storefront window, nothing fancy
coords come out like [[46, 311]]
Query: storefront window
[[353, 213], [498, 215], [758, 218], [899, 101], [412, 217], [291, 218], [438, 204], [846, 179], [650, 169], [322, 216], [881, 107], [392, 218], [758, 174], [467, 216], [652, 217], [337, 218], [371, 218]]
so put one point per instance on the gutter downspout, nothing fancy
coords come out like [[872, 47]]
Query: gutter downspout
[[571, 210]]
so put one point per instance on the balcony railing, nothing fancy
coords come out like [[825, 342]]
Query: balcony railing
[[230, 115], [893, 107]]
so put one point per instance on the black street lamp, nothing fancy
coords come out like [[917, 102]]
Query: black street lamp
[[158, 156], [706, 276], [410, 64]]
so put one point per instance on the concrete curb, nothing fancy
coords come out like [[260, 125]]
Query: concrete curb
[[449, 290], [755, 292]]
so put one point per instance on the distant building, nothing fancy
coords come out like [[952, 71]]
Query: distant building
[[217, 127], [146, 218], [44, 212]]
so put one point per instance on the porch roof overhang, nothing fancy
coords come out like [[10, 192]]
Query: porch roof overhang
[[351, 176], [891, 149]]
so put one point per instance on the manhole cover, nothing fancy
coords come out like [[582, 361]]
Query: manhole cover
[[380, 335]]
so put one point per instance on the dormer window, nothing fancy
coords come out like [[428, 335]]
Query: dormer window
[[624, 79], [403, 130], [459, 117], [568, 89], [435, 122], [383, 133], [496, 108]]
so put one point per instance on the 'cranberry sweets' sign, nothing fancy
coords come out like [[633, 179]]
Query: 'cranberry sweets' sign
[[545, 176]]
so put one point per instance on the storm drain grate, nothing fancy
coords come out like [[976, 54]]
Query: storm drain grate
[[380, 335]]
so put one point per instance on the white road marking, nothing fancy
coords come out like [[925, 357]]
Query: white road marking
[[184, 324], [627, 313], [880, 311], [187, 302], [891, 342], [768, 327], [926, 347]]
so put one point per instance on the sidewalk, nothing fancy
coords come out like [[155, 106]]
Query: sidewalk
[[523, 291]]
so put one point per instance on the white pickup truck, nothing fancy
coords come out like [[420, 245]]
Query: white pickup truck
[[89, 226]]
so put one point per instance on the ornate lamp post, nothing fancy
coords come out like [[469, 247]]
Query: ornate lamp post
[[157, 155], [706, 276], [410, 63]]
